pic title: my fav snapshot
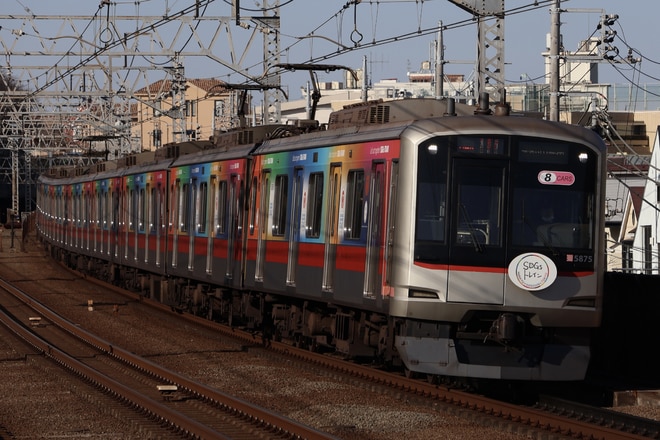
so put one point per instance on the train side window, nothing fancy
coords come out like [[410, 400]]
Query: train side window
[[142, 208], [202, 207], [99, 208], [314, 206], [132, 209], [153, 209], [253, 205], [354, 205], [173, 205], [279, 208], [184, 203], [221, 208], [103, 209]]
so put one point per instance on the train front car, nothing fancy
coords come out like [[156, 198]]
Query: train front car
[[498, 271]]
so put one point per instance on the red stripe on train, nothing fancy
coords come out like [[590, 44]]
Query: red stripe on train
[[483, 269]]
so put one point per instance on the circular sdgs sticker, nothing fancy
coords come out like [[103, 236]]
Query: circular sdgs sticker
[[532, 271]]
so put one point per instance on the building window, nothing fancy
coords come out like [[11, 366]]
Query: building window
[[648, 254], [191, 108], [158, 137], [627, 256]]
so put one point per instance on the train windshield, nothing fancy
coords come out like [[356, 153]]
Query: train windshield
[[522, 192], [553, 195]]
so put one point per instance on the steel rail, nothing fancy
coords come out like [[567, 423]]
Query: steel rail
[[262, 417]]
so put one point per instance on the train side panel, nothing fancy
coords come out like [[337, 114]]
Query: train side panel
[[318, 222]]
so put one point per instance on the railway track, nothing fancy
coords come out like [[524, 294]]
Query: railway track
[[178, 404], [541, 422], [555, 418]]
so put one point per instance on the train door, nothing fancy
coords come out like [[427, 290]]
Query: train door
[[100, 217], [148, 222], [174, 222], [212, 223], [374, 230], [161, 224], [263, 225], [389, 239], [128, 221], [331, 229], [294, 226], [115, 200], [154, 222], [232, 206], [88, 214], [140, 230], [477, 256], [191, 202]]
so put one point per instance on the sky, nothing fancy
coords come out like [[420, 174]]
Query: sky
[[342, 33]]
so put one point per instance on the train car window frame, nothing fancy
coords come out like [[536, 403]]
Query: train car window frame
[[479, 204], [313, 216], [202, 207], [431, 198], [253, 205], [220, 209], [553, 199], [142, 207], [103, 217], [153, 210], [132, 209], [280, 205], [99, 209], [184, 201], [355, 186], [174, 206]]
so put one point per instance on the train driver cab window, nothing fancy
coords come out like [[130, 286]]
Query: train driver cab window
[[314, 206], [431, 199], [554, 198], [479, 207]]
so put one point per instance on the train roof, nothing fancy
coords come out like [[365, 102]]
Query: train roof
[[520, 125], [340, 136], [214, 155]]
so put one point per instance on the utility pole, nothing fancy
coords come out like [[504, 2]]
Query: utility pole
[[490, 38], [364, 94], [179, 132], [439, 70], [555, 33], [271, 57], [78, 94]]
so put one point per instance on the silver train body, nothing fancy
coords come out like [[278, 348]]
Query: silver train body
[[463, 244]]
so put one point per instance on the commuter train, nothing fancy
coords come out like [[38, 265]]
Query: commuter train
[[447, 239]]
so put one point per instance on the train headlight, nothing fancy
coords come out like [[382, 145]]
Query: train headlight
[[432, 149], [583, 157], [588, 302], [423, 294]]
